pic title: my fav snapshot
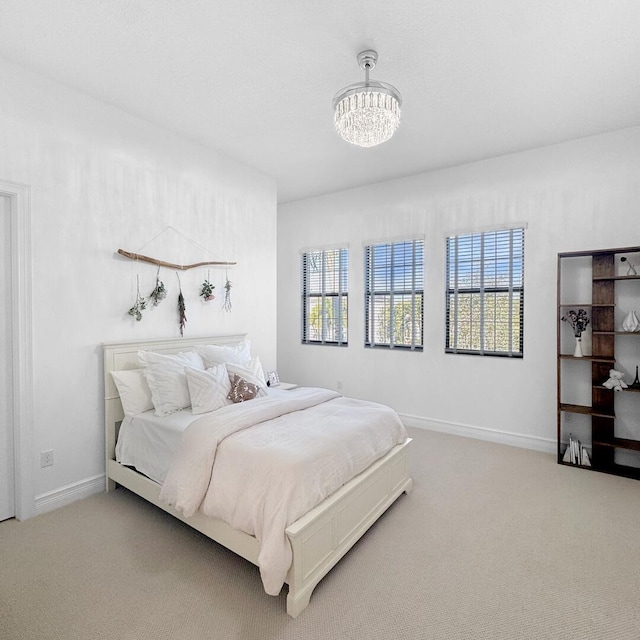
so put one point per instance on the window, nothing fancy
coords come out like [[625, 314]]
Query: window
[[394, 289], [485, 293], [324, 296]]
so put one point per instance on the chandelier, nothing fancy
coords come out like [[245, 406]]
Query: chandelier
[[367, 113]]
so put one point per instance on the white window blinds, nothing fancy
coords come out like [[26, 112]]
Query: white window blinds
[[325, 296], [394, 291], [485, 293]]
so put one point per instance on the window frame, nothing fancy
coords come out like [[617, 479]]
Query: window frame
[[416, 289], [339, 296], [514, 288]]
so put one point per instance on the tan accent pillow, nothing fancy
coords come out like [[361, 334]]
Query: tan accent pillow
[[242, 390]]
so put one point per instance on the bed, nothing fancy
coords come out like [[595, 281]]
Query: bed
[[318, 539]]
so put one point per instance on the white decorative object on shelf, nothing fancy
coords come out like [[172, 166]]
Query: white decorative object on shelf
[[631, 323], [615, 381], [577, 353]]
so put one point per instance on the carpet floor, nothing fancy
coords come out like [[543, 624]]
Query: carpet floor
[[493, 543]]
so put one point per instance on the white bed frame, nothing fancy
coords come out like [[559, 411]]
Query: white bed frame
[[318, 539]]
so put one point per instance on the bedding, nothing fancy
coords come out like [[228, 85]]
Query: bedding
[[133, 390], [213, 354], [147, 442], [276, 457], [167, 380], [208, 389], [146, 445]]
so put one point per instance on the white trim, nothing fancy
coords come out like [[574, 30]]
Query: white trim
[[69, 493], [503, 226], [328, 247], [546, 445], [410, 237], [24, 465]]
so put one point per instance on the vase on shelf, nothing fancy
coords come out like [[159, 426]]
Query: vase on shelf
[[577, 353], [631, 323]]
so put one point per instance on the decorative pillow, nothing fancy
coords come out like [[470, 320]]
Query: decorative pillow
[[208, 389], [241, 390], [252, 372], [165, 375], [213, 354], [134, 391]]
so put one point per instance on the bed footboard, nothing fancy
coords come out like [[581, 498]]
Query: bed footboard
[[321, 537]]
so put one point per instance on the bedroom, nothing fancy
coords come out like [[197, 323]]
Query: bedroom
[[100, 179]]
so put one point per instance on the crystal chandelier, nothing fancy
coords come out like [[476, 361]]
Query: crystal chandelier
[[367, 113]]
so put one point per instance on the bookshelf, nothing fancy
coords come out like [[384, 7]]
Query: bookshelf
[[606, 422]]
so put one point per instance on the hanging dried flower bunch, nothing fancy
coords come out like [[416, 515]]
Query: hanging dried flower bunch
[[159, 292], [206, 290], [140, 304], [181, 308], [227, 295]]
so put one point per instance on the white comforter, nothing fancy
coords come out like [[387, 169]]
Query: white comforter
[[275, 459]]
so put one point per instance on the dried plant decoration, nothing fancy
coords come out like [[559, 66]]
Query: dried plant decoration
[[181, 307], [159, 292], [140, 304], [227, 294], [206, 289]]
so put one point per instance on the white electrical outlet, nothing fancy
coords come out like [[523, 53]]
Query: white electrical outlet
[[339, 385], [46, 458]]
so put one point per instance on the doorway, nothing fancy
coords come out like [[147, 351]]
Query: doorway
[[7, 466], [17, 472]]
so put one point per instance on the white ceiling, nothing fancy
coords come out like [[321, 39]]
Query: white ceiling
[[254, 79]]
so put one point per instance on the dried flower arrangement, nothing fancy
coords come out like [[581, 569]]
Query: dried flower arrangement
[[181, 308], [578, 321], [140, 303], [159, 292], [206, 290], [227, 295]]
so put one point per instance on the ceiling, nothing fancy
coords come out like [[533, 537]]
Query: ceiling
[[254, 79]]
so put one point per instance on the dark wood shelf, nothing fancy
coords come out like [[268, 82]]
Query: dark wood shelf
[[580, 408], [616, 333], [577, 466], [570, 356], [602, 267], [603, 278], [619, 443], [630, 389], [584, 304], [619, 470]]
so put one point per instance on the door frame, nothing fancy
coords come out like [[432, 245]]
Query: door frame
[[19, 196]]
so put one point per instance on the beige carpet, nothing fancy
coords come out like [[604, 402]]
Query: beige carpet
[[493, 543]]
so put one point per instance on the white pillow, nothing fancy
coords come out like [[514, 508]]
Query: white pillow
[[186, 358], [134, 391], [252, 372], [213, 354], [166, 377], [208, 389]]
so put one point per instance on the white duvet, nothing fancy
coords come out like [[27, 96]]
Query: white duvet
[[275, 459]]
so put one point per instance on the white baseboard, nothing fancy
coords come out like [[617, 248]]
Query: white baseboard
[[69, 493], [546, 445]]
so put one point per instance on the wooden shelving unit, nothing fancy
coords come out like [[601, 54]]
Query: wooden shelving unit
[[596, 279]]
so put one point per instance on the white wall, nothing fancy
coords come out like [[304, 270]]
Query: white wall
[[102, 180], [580, 195]]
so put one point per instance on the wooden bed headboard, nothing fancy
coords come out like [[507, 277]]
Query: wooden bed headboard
[[124, 355]]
